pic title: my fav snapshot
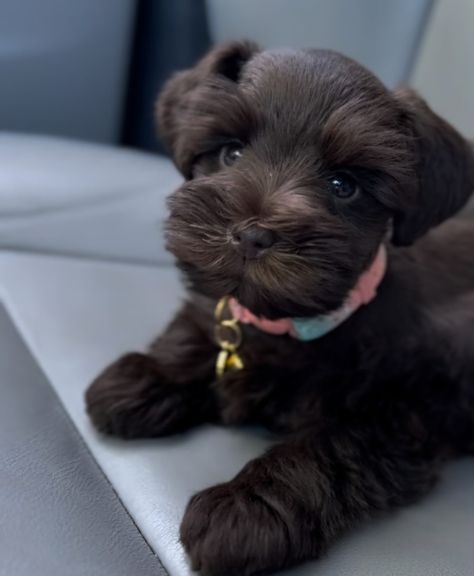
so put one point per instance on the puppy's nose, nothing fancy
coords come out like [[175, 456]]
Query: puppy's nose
[[252, 241]]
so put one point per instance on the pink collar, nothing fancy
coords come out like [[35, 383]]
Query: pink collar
[[311, 328]]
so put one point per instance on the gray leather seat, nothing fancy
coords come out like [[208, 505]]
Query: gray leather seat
[[74, 315]]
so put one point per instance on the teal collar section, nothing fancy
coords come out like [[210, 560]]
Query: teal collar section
[[307, 329], [311, 329]]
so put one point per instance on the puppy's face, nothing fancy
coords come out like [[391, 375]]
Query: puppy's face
[[297, 163]]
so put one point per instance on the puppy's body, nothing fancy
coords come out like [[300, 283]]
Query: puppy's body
[[369, 411]]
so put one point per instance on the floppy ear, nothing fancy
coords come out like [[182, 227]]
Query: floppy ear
[[176, 98], [444, 166]]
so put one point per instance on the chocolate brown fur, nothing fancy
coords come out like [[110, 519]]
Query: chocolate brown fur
[[368, 412]]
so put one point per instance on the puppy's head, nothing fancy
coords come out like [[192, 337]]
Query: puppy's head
[[296, 165]]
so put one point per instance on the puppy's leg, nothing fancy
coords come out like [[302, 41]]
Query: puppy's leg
[[160, 393], [290, 504]]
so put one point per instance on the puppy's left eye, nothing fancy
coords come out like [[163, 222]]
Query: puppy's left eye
[[230, 154], [343, 186]]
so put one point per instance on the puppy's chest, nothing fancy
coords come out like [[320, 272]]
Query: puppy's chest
[[320, 360], [284, 383]]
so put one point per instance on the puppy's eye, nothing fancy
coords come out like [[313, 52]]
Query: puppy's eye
[[343, 186], [230, 154]]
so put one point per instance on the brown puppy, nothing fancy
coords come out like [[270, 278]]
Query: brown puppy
[[298, 166]]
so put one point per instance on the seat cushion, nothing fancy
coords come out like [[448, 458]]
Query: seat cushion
[[76, 316], [70, 197]]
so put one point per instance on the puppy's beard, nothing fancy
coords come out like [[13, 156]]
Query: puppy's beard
[[278, 284], [281, 285]]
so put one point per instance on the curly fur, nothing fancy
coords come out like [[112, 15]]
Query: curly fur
[[367, 413]]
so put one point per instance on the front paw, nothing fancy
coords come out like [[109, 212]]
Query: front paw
[[230, 530], [131, 399]]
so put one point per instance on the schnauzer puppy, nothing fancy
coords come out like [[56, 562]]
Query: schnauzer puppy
[[321, 304]]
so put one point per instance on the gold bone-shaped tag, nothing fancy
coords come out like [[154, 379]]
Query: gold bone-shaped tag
[[228, 361]]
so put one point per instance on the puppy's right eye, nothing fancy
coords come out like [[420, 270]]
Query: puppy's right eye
[[230, 154], [343, 186]]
